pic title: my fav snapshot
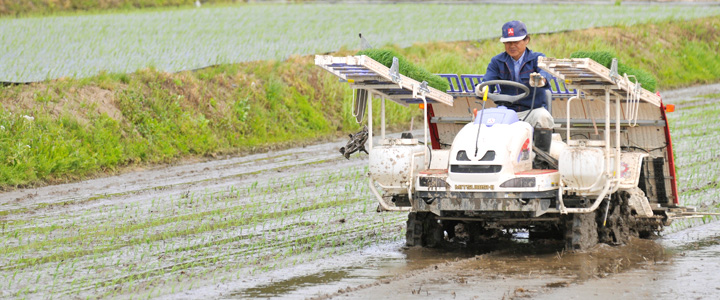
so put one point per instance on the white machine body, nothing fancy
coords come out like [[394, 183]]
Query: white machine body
[[502, 151], [395, 163], [583, 169], [489, 155]]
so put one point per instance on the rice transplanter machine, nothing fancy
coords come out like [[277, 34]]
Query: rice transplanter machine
[[605, 173]]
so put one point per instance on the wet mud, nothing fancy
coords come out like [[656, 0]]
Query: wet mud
[[301, 223], [676, 266]]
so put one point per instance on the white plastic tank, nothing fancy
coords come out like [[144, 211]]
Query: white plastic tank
[[582, 168], [392, 162], [557, 146]]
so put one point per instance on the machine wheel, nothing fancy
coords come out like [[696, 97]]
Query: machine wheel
[[648, 228], [413, 234], [424, 230], [553, 232], [433, 232], [478, 234], [451, 227], [620, 224], [581, 231]]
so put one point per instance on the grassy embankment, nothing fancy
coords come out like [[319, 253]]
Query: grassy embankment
[[99, 124]]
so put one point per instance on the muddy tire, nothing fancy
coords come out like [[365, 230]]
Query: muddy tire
[[648, 228], [478, 234], [581, 232], [413, 234], [620, 225], [434, 234], [424, 230]]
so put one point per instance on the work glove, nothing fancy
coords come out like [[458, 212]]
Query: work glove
[[537, 80]]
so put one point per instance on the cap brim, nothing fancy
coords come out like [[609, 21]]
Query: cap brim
[[512, 39]]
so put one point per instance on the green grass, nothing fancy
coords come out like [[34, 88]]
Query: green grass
[[678, 54]]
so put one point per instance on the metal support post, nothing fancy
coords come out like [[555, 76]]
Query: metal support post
[[567, 117], [617, 141], [370, 120], [425, 132], [607, 132], [382, 118]]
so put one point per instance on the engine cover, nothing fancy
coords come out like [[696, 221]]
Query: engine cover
[[502, 151]]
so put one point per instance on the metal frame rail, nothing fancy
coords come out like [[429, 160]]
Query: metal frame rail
[[463, 85], [592, 78], [366, 73], [362, 72], [595, 81]]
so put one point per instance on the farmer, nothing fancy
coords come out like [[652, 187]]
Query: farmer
[[520, 64]]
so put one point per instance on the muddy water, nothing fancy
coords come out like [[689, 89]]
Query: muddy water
[[681, 265], [178, 233], [678, 265]]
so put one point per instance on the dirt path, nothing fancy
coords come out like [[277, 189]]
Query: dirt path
[[301, 223]]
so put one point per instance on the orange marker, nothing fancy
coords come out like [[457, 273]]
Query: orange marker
[[670, 108]]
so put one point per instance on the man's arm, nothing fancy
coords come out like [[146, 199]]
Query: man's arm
[[492, 73]]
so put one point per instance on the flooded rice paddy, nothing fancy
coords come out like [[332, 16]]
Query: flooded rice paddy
[[301, 223]]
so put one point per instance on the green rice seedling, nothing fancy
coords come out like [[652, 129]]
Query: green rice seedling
[[647, 80]]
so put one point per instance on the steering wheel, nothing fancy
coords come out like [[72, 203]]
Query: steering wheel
[[502, 97]]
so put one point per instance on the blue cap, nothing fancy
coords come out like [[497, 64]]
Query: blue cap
[[513, 31]]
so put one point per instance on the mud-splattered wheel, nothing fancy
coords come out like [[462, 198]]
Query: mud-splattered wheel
[[413, 234], [581, 231], [478, 234], [620, 224], [424, 230], [434, 234]]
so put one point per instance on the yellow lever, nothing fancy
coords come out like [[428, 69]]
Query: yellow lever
[[485, 92]]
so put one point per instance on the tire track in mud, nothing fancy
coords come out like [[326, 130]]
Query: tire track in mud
[[642, 269]]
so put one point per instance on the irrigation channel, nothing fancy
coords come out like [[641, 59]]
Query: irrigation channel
[[301, 223]]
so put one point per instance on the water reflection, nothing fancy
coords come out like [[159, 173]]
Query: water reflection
[[511, 258]]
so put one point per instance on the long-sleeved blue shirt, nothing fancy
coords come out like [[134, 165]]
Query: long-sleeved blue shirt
[[502, 67]]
